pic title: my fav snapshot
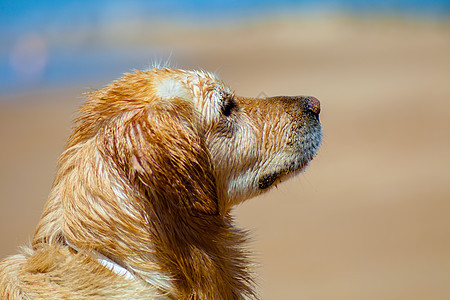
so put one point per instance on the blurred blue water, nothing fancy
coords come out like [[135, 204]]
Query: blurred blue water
[[29, 58], [23, 12]]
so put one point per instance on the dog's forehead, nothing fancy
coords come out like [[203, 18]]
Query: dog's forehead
[[170, 88]]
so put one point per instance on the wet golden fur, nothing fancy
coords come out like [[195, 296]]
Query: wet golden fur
[[148, 178]]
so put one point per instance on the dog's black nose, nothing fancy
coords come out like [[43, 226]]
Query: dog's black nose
[[312, 104]]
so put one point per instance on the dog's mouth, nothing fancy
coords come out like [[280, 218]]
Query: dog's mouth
[[268, 180]]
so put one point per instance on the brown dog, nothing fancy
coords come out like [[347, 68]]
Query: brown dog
[[140, 206]]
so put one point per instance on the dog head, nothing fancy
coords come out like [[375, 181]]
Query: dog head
[[187, 133]]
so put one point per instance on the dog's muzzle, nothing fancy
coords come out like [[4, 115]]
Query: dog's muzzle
[[305, 139]]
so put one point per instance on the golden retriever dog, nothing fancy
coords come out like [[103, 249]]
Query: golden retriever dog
[[140, 205]]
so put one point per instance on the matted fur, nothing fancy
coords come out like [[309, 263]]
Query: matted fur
[[148, 178]]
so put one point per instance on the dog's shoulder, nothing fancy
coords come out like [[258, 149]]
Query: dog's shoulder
[[52, 272]]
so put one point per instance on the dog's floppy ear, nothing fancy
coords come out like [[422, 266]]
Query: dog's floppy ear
[[165, 159]]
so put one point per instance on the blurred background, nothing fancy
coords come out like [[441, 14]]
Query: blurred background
[[369, 219]]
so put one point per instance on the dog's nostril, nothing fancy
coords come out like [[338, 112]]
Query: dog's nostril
[[313, 104]]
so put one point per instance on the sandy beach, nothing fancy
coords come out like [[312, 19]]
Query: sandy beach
[[369, 219]]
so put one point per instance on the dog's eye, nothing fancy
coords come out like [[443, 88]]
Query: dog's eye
[[228, 105]]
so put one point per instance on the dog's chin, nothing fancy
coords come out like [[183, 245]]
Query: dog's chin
[[275, 178]]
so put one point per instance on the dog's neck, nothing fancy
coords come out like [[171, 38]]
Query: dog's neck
[[204, 255]]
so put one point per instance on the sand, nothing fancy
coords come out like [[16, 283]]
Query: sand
[[369, 219]]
